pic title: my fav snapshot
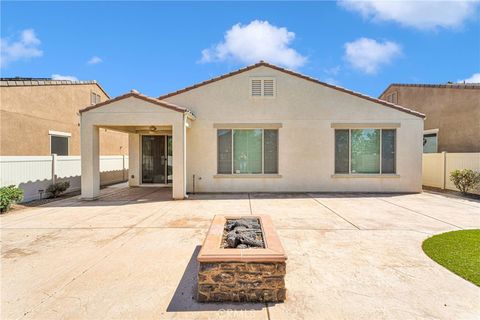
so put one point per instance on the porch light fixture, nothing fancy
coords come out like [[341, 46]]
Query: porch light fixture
[[153, 128]]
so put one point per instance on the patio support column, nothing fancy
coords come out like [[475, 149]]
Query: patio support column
[[179, 160], [90, 157], [134, 159]]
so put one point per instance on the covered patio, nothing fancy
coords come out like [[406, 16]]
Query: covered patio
[[157, 142]]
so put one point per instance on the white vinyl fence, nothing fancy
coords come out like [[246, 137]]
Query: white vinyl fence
[[36, 173], [437, 167]]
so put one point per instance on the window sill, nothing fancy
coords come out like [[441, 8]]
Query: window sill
[[248, 176], [365, 175]]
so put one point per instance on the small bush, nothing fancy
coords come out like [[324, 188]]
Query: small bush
[[8, 196], [465, 179], [56, 189]]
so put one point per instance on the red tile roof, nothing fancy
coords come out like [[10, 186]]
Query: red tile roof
[[138, 95], [426, 85], [35, 82], [293, 73]]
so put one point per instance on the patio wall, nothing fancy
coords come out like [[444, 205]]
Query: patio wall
[[34, 173], [437, 167]]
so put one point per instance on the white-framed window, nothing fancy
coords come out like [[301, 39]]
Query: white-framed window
[[247, 151], [263, 87], [365, 151], [430, 141], [59, 142], [95, 98]]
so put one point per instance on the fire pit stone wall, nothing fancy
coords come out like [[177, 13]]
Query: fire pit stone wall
[[242, 282], [241, 275]]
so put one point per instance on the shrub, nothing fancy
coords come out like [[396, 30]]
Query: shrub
[[8, 196], [58, 188], [465, 179]]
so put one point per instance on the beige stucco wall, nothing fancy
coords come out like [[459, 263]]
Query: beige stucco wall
[[306, 140], [454, 111], [27, 113]]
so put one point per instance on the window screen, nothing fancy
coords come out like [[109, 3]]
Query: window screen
[[365, 151], [270, 151], [388, 151], [341, 151], [59, 145], [247, 151], [253, 151], [224, 151], [430, 143], [368, 151]]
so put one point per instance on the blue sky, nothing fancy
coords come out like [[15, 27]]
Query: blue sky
[[158, 47]]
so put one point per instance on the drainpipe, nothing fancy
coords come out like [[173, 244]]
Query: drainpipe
[[193, 185]]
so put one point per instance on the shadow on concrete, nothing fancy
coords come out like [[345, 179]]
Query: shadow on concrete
[[113, 195], [183, 299], [289, 195]]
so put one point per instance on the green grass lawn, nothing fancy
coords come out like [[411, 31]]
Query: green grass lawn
[[458, 251]]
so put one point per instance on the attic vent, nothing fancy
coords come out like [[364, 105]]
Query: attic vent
[[256, 88], [268, 88], [262, 87]]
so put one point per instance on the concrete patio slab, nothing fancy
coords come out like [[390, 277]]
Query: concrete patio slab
[[369, 275], [36, 263], [297, 211], [132, 254], [374, 212], [199, 211], [463, 213]]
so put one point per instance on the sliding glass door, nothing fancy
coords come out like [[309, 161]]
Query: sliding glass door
[[157, 159]]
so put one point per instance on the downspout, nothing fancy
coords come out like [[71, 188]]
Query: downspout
[[185, 124]]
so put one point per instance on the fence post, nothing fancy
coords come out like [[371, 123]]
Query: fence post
[[54, 168], [123, 167], [444, 169]]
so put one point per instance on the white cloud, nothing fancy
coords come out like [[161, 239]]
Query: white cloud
[[334, 71], [62, 77], [26, 47], [95, 60], [258, 40], [475, 78], [426, 14], [368, 55]]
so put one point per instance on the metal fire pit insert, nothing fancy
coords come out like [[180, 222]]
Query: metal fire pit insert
[[252, 274]]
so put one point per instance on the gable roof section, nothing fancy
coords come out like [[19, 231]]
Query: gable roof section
[[35, 82], [138, 95], [295, 74], [426, 85]]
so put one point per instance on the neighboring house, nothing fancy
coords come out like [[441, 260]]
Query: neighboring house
[[260, 129], [40, 116], [452, 111]]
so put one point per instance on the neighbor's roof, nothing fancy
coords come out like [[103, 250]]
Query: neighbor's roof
[[426, 85], [293, 73], [136, 94], [23, 82]]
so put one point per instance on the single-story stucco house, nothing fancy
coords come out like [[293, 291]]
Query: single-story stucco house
[[259, 129]]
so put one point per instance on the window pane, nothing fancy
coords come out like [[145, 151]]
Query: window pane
[[247, 151], [270, 151], [224, 151], [341, 151], [430, 143], [388, 151], [59, 145], [365, 151]]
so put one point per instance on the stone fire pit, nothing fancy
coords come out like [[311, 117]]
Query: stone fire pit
[[241, 260]]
